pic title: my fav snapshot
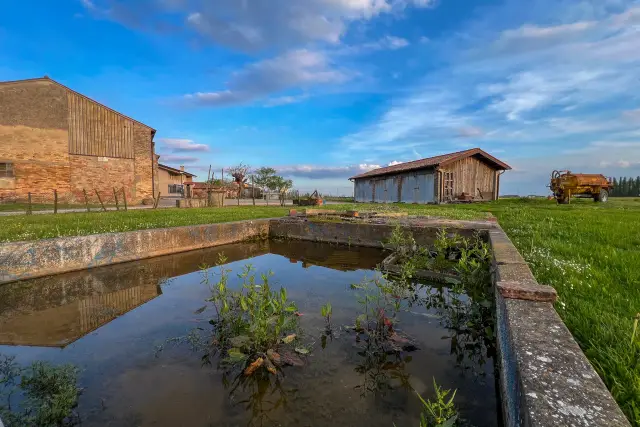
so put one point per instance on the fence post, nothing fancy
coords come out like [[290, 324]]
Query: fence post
[[86, 200], [29, 208], [253, 191], [124, 197], [55, 201], [156, 201], [115, 196], [100, 200]]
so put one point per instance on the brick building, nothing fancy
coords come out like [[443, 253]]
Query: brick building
[[54, 138]]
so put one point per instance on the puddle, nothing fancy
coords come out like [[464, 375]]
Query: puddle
[[108, 322]]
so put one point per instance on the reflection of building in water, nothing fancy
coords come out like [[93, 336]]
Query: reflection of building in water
[[56, 311], [61, 325]]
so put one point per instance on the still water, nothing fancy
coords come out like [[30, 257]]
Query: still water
[[108, 322]]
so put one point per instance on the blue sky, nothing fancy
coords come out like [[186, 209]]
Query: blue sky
[[325, 89]]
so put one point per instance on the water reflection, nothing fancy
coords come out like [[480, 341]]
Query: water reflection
[[56, 311]]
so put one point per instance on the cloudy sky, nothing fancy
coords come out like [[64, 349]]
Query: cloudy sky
[[324, 89]]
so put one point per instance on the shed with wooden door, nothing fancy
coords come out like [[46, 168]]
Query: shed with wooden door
[[470, 175]]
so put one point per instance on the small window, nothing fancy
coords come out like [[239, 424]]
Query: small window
[[176, 189], [6, 170]]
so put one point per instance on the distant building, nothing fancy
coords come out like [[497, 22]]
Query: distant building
[[174, 182], [53, 138], [464, 175]]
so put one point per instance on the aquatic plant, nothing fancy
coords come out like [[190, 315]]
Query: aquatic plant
[[326, 311], [39, 395], [382, 346], [255, 328], [465, 306], [440, 412], [254, 323]]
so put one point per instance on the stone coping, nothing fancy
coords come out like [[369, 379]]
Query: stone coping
[[545, 378], [27, 260]]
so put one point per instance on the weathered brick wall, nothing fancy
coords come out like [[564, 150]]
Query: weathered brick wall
[[93, 173], [37, 104], [144, 160], [34, 137]]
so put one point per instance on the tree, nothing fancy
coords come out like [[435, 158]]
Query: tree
[[281, 185], [263, 178], [239, 174]]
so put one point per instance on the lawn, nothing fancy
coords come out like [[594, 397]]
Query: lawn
[[590, 253], [33, 227]]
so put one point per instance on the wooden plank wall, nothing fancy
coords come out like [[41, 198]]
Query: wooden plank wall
[[97, 131], [471, 174]]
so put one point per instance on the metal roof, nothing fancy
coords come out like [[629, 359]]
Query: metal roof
[[433, 162], [48, 79]]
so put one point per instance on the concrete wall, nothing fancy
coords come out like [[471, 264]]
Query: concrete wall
[[35, 125], [25, 260], [367, 234], [545, 379]]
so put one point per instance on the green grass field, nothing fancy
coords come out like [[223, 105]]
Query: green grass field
[[590, 253], [45, 226]]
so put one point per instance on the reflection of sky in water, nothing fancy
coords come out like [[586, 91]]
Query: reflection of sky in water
[[125, 384]]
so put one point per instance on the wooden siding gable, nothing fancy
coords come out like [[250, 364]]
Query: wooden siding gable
[[95, 130]]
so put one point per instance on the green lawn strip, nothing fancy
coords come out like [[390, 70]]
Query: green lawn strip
[[34, 227], [443, 211]]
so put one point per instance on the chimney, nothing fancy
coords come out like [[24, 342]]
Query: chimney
[[181, 168]]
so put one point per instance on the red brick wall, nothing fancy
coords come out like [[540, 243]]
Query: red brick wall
[[100, 173], [143, 163], [34, 136]]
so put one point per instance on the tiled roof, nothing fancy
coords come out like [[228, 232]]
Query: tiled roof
[[174, 170], [434, 162]]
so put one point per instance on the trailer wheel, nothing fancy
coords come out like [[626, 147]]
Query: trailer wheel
[[603, 197], [563, 200]]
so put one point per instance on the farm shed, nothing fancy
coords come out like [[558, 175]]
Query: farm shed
[[465, 175]]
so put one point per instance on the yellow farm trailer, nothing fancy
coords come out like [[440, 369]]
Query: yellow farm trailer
[[565, 184]]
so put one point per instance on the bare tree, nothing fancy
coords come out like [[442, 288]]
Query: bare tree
[[239, 174]]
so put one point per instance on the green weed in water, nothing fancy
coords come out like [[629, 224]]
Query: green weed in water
[[39, 395]]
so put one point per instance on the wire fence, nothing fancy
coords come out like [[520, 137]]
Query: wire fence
[[82, 200]]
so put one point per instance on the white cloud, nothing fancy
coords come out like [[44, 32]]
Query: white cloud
[[256, 24], [178, 144], [172, 158], [393, 163], [325, 172], [578, 84], [297, 69], [384, 43]]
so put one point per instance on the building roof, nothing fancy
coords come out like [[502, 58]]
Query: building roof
[[433, 162], [174, 170], [48, 79]]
